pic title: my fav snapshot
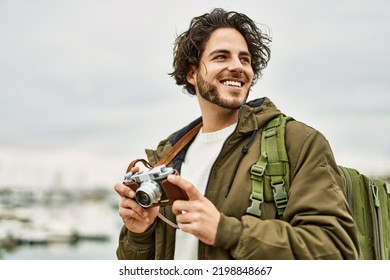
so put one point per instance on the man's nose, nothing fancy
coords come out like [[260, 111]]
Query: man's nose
[[236, 65]]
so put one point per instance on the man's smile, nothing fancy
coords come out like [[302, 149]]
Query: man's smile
[[232, 83]]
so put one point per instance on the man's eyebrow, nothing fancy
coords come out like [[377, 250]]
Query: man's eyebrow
[[218, 51], [226, 52]]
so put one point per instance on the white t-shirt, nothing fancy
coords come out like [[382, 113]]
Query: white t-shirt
[[196, 167]]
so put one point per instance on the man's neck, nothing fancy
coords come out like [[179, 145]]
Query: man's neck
[[216, 118]]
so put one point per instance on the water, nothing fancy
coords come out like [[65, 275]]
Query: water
[[89, 218]]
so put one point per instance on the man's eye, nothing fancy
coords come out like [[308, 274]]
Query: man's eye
[[220, 57], [246, 59]]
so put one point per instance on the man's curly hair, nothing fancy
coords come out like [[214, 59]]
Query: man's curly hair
[[190, 45]]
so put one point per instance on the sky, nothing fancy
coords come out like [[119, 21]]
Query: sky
[[84, 84]]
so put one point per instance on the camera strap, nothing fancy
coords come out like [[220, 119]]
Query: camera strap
[[180, 145], [170, 155], [134, 162]]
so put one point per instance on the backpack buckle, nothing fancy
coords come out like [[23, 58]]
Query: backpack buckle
[[254, 209], [280, 196]]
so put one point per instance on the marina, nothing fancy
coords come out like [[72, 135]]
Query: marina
[[61, 225]]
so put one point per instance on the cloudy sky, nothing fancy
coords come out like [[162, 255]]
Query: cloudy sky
[[84, 85]]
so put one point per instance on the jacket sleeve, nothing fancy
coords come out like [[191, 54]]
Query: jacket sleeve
[[133, 246], [317, 223]]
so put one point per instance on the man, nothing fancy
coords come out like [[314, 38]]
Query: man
[[218, 59]]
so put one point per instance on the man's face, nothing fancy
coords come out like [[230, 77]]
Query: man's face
[[225, 74]]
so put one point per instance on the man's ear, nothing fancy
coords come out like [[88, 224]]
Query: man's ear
[[191, 75]]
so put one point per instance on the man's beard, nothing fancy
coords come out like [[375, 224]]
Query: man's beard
[[211, 94]]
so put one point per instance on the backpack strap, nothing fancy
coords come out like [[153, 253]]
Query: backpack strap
[[272, 170]]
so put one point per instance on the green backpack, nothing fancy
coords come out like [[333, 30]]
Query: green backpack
[[368, 198]]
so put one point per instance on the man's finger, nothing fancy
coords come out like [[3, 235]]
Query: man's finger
[[124, 190], [192, 192]]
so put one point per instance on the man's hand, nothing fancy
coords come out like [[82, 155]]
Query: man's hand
[[198, 215], [136, 218]]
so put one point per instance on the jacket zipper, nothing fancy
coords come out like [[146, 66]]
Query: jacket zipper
[[377, 221], [201, 244], [373, 197]]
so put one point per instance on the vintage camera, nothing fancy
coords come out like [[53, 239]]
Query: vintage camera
[[152, 188]]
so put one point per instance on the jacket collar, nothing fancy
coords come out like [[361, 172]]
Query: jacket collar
[[255, 114], [252, 116]]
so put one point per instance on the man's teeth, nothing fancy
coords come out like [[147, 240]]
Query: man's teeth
[[231, 83]]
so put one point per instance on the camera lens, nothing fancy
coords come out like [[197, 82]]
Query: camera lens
[[148, 193]]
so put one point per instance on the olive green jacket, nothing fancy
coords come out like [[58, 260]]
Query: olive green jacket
[[316, 224]]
